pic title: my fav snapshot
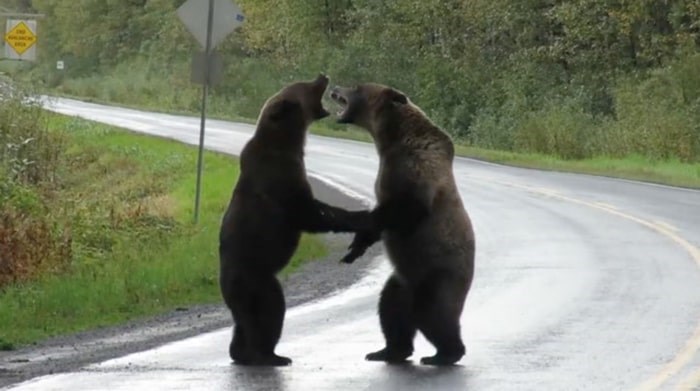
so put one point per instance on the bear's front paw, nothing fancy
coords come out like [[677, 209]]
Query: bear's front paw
[[353, 254], [360, 243]]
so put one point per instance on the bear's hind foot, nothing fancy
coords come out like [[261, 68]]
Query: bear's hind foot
[[442, 359], [236, 352], [269, 360], [390, 356]]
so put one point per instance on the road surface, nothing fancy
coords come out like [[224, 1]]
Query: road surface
[[581, 282]]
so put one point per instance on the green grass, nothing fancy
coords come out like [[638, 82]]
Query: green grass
[[128, 199]]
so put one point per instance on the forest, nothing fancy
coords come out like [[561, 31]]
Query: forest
[[569, 78]]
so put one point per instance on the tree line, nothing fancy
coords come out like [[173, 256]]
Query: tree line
[[573, 78]]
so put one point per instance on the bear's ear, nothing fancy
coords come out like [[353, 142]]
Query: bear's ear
[[322, 81], [395, 96], [281, 109]]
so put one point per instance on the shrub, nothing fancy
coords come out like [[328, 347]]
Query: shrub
[[659, 116], [30, 242], [30, 245], [561, 129], [29, 152]]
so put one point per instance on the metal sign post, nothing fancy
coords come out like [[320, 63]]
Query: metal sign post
[[205, 91], [207, 68]]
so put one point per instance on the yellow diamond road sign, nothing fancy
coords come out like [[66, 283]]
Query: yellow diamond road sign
[[20, 38]]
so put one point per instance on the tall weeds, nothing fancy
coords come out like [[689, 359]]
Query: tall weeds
[[31, 242]]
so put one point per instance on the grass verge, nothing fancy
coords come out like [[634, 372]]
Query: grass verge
[[127, 199]]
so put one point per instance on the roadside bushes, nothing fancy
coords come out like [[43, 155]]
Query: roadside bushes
[[655, 115], [659, 117], [30, 243], [70, 201], [559, 129]]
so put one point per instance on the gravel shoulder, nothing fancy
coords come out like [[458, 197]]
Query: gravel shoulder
[[312, 281]]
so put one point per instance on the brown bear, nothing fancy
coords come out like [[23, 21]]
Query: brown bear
[[419, 215], [272, 203]]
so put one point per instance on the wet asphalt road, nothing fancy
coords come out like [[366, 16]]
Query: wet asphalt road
[[582, 282]]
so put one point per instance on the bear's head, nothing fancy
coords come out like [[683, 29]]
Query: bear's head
[[300, 101], [367, 105]]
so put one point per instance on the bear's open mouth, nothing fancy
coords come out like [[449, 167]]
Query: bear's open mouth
[[340, 100]]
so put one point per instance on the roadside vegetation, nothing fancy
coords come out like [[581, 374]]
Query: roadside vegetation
[[597, 86], [96, 224]]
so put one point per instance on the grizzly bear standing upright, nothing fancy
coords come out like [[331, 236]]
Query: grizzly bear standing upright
[[422, 222], [272, 204]]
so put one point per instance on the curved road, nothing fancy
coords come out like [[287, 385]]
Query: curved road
[[582, 282]]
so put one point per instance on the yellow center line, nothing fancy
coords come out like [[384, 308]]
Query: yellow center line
[[692, 345], [604, 205], [667, 225]]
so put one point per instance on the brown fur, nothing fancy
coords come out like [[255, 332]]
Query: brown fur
[[271, 205], [425, 229]]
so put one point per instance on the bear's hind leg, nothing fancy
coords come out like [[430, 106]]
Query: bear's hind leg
[[397, 322], [257, 305], [270, 319], [236, 349], [438, 307], [239, 297]]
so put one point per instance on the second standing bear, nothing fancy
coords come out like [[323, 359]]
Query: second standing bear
[[422, 222]]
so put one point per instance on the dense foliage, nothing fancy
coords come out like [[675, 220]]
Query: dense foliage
[[572, 78]]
